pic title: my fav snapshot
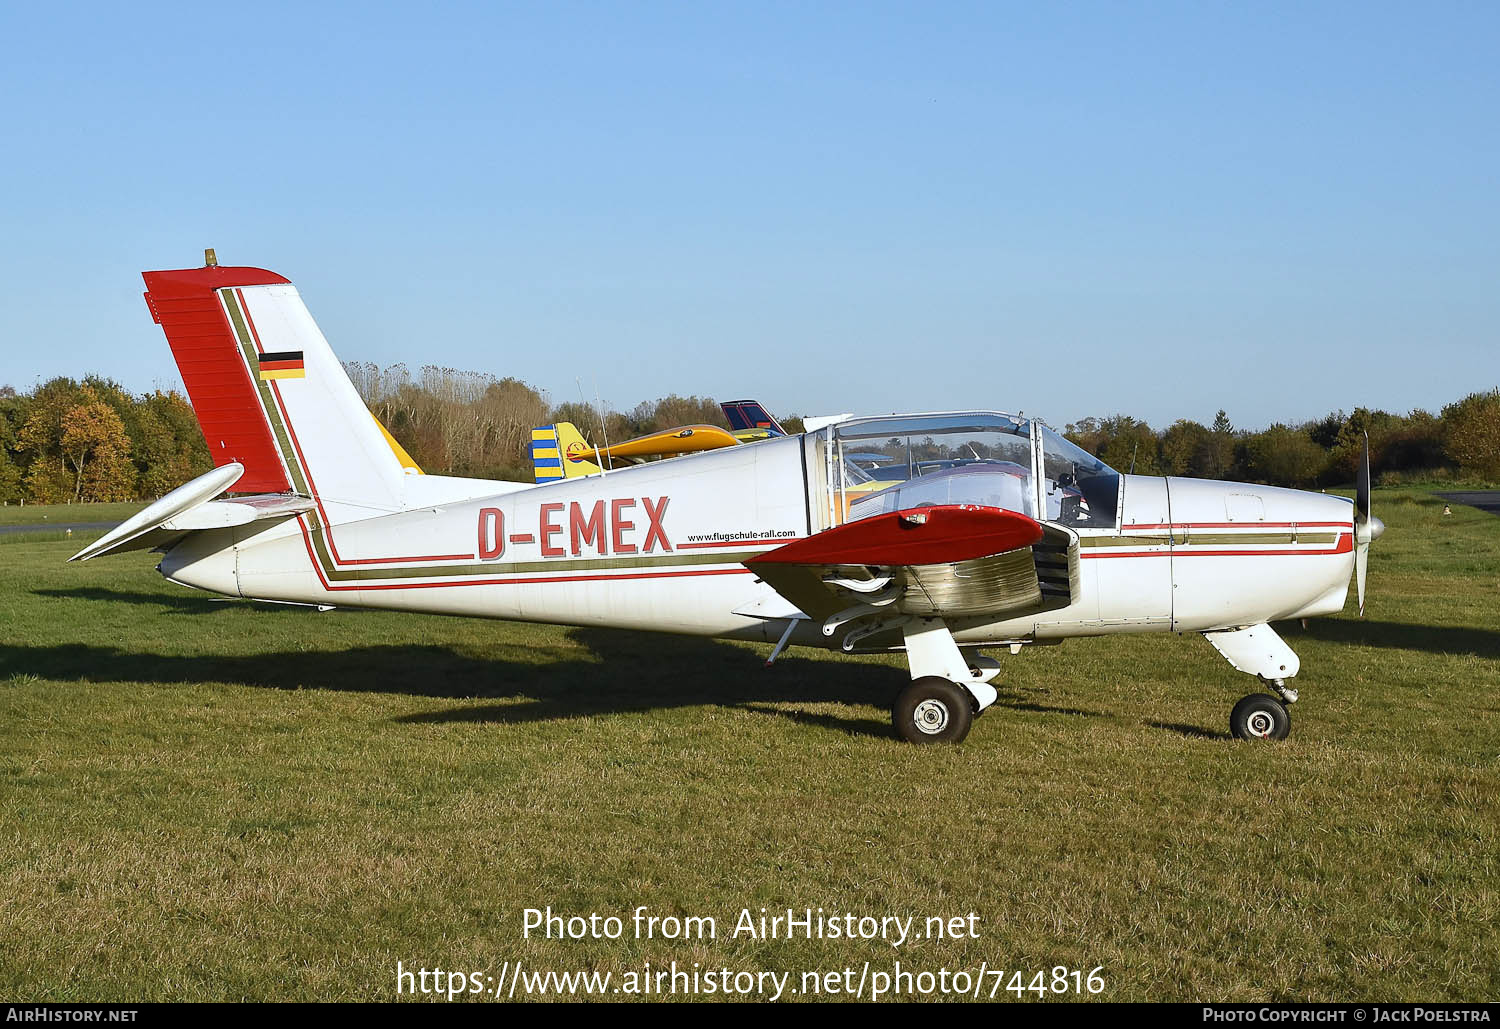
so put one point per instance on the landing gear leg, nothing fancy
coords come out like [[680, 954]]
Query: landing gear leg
[[1263, 654], [946, 691]]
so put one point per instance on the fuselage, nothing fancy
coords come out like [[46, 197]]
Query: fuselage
[[662, 547]]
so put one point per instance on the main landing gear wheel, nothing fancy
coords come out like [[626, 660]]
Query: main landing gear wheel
[[1260, 716], [933, 710]]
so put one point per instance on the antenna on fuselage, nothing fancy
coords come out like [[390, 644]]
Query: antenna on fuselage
[[599, 410], [599, 414]]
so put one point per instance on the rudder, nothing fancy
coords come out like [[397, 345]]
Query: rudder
[[270, 394], [560, 452]]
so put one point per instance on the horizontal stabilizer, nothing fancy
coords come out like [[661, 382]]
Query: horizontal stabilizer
[[191, 508], [232, 511], [181, 500]]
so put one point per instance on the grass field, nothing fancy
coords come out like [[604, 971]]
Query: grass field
[[41, 514], [215, 800]]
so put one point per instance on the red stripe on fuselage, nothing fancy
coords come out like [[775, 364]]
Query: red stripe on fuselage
[[1126, 529], [1345, 545]]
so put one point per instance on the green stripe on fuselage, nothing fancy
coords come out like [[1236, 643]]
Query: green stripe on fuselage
[[1217, 539], [561, 565]]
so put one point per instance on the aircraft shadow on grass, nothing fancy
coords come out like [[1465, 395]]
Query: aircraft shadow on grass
[[1433, 639], [188, 604], [1192, 732], [626, 672], [1365, 632]]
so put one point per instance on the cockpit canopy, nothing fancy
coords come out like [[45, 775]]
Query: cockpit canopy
[[986, 458]]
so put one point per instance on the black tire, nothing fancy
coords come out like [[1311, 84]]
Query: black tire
[[1260, 716], [933, 710]]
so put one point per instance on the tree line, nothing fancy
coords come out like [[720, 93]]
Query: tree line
[[1462, 442], [69, 441], [473, 424]]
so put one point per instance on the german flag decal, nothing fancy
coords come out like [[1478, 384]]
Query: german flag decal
[[282, 364]]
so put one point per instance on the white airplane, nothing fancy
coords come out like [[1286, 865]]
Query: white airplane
[[999, 534]]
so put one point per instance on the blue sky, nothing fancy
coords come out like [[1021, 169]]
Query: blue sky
[[1159, 209]]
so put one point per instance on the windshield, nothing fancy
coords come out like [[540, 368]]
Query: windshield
[[1080, 489]]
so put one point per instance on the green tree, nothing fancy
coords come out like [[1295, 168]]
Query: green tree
[[1283, 456], [95, 447], [1088, 433], [1185, 448], [672, 410], [1415, 443], [79, 446], [171, 449], [39, 439], [1472, 431], [10, 470], [1132, 447], [1120, 441], [1218, 459]]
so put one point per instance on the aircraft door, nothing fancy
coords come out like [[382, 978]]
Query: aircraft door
[[1134, 564]]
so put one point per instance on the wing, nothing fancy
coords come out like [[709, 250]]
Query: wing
[[950, 561], [686, 439]]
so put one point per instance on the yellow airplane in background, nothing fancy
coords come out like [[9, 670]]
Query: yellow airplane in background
[[559, 451]]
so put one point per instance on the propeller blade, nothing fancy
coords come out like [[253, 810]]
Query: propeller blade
[[1361, 559], [1365, 527], [1362, 486]]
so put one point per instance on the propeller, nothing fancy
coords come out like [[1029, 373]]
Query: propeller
[[1366, 527]]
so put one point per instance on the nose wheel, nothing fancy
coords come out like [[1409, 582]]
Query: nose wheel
[[1260, 716]]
